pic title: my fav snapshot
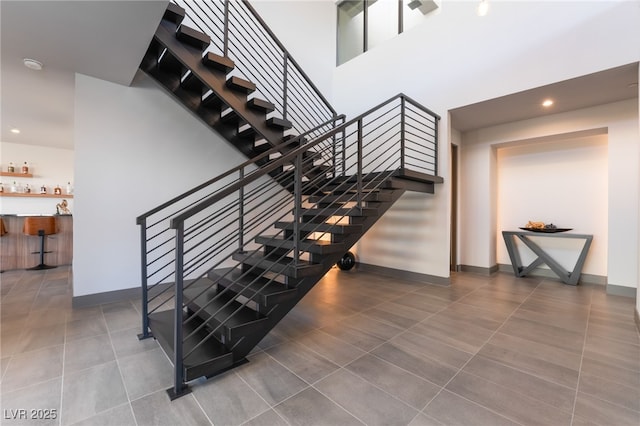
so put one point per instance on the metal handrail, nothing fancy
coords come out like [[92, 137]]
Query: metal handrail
[[238, 32], [357, 156], [251, 161], [358, 184], [286, 158]]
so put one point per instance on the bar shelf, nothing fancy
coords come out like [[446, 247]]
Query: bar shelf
[[18, 175]]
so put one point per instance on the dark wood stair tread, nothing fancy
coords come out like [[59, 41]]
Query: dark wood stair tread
[[341, 212], [411, 185], [212, 101], [231, 117], [208, 358], [263, 147], [218, 63], [313, 170], [306, 245], [383, 196], [331, 228], [174, 13], [261, 105], [193, 37], [241, 85], [260, 289], [283, 266], [279, 123], [247, 133], [223, 313], [418, 176]]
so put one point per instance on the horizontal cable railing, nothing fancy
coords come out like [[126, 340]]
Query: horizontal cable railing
[[159, 240], [238, 32], [215, 225]]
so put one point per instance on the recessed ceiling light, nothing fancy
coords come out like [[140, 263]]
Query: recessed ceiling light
[[547, 103], [15, 130], [483, 8], [32, 64]]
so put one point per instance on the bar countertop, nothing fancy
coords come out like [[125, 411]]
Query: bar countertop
[[20, 251]]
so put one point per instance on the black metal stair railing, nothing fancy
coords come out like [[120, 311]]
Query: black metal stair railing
[[158, 238], [239, 33], [284, 194]]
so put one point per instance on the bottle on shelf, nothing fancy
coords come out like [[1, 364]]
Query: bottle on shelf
[[1, 188], [14, 187], [25, 168], [57, 190], [27, 189], [43, 189], [11, 169], [69, 188]]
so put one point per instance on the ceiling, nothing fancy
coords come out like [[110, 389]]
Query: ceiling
[[107, 39], [102, 39], [612, 85]]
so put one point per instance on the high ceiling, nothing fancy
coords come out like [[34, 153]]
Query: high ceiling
[[102, 39], [107, 39]]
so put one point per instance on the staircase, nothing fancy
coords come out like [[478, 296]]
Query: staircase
[[223, 263], [205, 80]]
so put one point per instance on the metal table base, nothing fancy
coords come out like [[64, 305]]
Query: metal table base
[[519, 270]]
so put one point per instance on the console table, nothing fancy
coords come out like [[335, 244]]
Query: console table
[[519, 270]]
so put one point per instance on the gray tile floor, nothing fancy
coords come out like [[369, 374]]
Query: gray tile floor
[[359, 349]]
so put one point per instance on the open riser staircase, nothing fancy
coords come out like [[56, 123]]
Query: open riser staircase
[[202, 76], [223, 263]]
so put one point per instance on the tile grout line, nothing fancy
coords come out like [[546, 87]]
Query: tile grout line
[[535, 375], [192, 395], [201, 408], [409, 329], [331, 399], [402, 331], [592, 310], [478, 351], [584, 345], [309, 385], [597, 396], [113, 348], [64, 355], [342, 367], [271, 407], [458, 301], [19, 335]]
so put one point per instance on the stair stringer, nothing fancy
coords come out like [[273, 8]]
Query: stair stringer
[[243, 347], [191, 59]]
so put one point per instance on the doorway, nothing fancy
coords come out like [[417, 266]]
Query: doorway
[[453, 259]]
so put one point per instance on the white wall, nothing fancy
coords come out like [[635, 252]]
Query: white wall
[[456, 58], [118, 128], [307, 29], [49, 166], [112, 120], [564, 182], [638, 222], [620, 120], [136, 147]]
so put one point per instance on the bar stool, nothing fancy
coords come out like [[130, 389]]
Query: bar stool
[[40, 226]]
